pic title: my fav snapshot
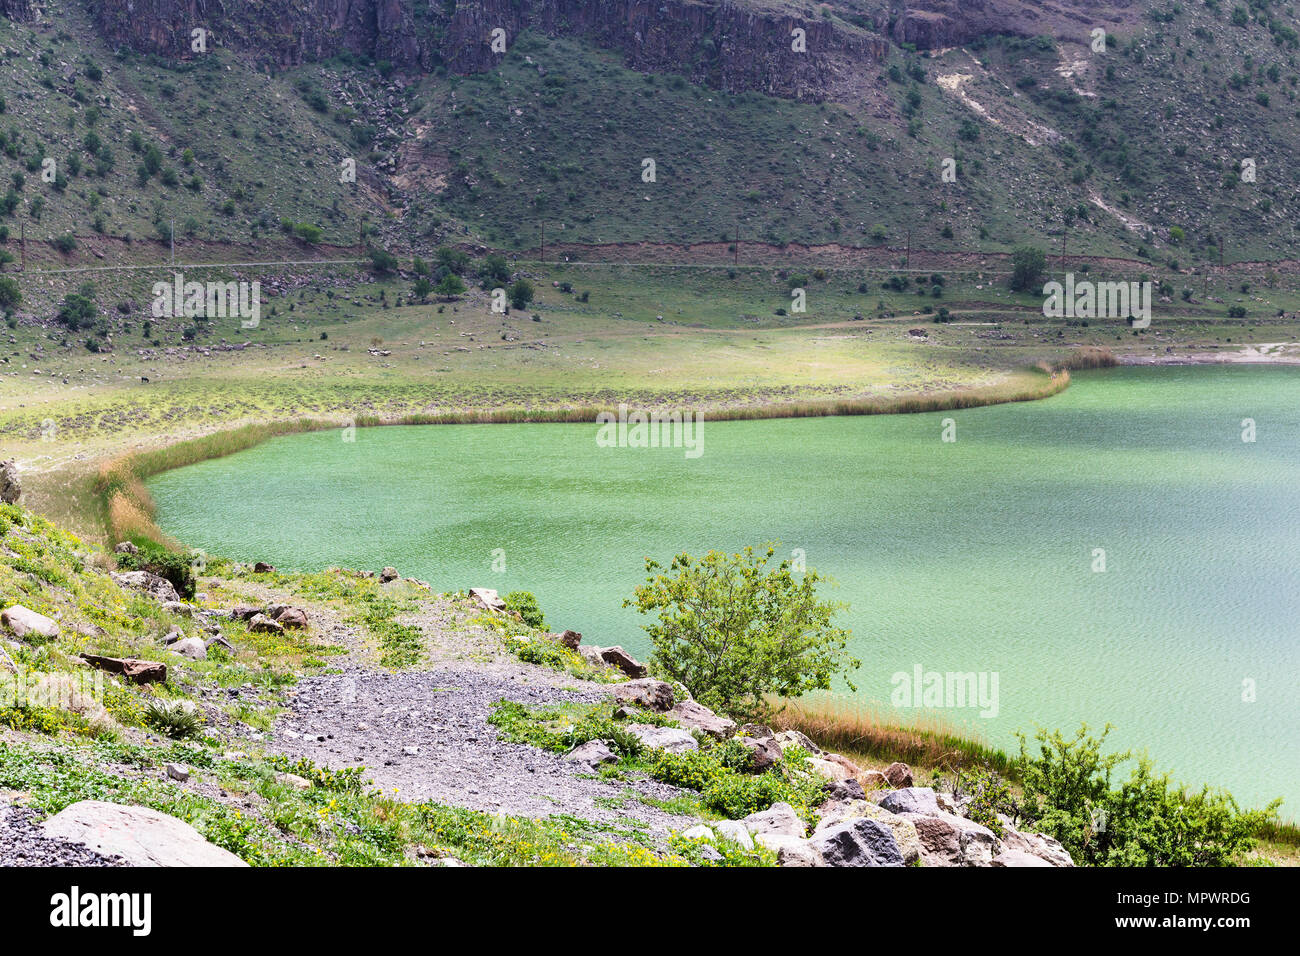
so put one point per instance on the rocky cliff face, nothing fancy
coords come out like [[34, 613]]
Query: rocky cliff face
[[723, 44], [938, 24]]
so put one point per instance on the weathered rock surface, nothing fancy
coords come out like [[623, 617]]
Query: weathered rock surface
[[904, 831], [950, 840], [899, 775], [192, 647], [146, 582], [695, 716], [779, 819], [646, 692], [911, 800], [593, 752], [664, 738], [140, 836], [26, 623], [261, 624], [10, 489], [133, 669], [857, 842]]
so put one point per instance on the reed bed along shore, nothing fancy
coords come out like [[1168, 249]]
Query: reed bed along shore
[[851, 728], [127, 510]]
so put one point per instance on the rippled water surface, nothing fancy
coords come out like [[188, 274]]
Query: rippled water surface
[[975, 555]]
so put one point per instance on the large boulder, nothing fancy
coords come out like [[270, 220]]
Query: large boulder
[[872, 780], [670, 739], [905, 835], [851, 770], [695, 716], [142, 837], [10, 490], [656, 695], [790, 850], [779, 818], [911, 800], [134, 670], [390, 574], [24, 622], [950, 840], [146, 582], [858, 842]]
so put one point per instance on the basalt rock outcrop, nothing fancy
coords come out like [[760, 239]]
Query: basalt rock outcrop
[[720, 43]]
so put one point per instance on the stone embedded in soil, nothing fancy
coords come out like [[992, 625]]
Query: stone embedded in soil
[[138, 671], [25, 622]]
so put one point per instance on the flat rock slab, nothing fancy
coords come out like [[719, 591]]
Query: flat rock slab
[[140, 836], [24, 843], [141, 672]]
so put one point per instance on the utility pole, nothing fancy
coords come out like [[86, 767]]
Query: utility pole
[[361, 236], [736, 258], [22, 246], [907, 262], [543, 228], [1064, 230], [173, 240], [1221, 252]]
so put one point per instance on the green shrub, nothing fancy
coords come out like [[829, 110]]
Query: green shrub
[[736, 633], [525, 605], [1145, 821], [155, 559]]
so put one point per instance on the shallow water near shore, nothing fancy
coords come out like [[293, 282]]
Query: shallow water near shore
[[976, 555]]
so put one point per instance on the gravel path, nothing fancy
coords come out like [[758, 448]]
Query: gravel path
[[370, 718], [24, 843]]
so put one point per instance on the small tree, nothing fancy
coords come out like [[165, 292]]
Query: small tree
[[495, 270], [1027, 266], [520, 294], [79, 309], [737, 633], [450, 286], [10, 294], [421, 288]]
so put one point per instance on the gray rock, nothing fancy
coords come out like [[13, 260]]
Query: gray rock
[[764, 751], [178, 772], [793, 738], [26, 623], [261, 624], [142, 837], [779, 819], [10, 489], [695, 716], [1018, 858], [156, 587], [905, 835], [736, 832], [593, 752], [699, 832], [125, 547], [859, 842], [656, 695], [911, 800], [710, 852], [664, 738], [1046, 848], [843, 790], [624, 661], [191, 647]]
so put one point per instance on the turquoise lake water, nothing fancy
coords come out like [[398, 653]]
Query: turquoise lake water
[[975, 555]]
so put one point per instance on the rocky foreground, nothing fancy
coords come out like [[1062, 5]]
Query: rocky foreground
[[232, 727]]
